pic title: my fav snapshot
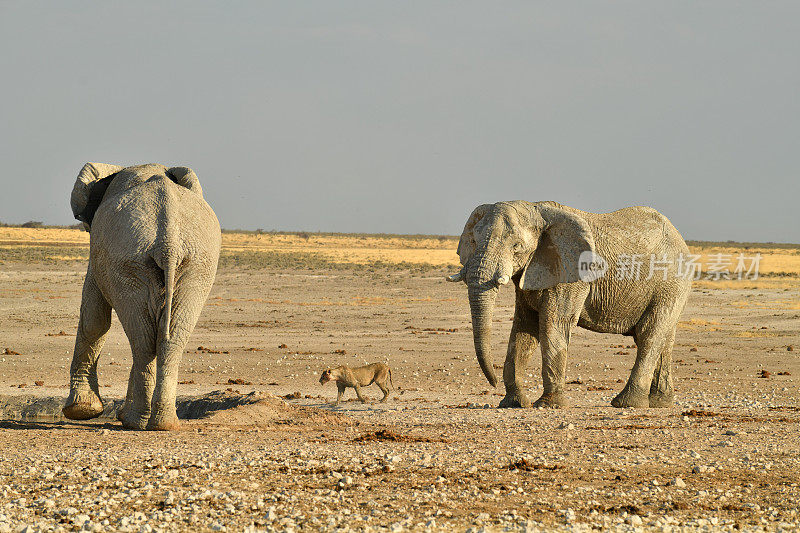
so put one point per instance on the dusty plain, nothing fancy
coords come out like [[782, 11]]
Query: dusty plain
[[438, 455]]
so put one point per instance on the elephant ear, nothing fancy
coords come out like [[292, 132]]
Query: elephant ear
[[466, 244], [90, 186], [557, 257], [185, 177]]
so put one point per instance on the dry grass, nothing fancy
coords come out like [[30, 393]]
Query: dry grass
[[699, 324], [779, 267], [777, 261], [256, 250]]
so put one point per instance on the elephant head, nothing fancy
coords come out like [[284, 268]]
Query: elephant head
[[94, 179], [536, 244], [90, 186]]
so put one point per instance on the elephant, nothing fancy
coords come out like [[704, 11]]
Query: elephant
[[153, 250], [575, 268]]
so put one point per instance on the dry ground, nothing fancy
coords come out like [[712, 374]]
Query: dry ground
[[438, 455]]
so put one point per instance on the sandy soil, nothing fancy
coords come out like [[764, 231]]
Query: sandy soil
[[438, 455]]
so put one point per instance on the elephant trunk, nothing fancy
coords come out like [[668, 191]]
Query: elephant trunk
[[484, 274], [481, 303]]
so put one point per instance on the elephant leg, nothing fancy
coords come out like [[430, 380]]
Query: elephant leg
[[654, 334], [137, 319], [557, 316], [95, 320], [142, 384], [128, 398], [661, 391], [555, 343], [523, 341], [187, 304], [163, 413]]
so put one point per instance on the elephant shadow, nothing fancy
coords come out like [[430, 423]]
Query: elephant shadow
[[56, 425]]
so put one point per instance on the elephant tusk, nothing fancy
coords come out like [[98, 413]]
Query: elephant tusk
[[502, 280], [456, 277]]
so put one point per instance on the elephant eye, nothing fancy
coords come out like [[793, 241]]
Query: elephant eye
[[517, 247]]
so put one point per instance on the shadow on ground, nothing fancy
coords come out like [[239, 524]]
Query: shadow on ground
[[217, 408]]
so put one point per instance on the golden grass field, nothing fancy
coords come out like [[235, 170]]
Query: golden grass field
[[779, 266]]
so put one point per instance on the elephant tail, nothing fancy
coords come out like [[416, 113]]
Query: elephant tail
[[391, 381], [169, 267]]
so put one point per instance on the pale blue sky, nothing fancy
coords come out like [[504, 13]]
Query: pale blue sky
[[402, 116]]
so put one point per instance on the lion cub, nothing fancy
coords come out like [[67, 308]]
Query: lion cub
[[358, 377]]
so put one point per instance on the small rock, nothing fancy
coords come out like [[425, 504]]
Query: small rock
[[635, 520], [678, 482]]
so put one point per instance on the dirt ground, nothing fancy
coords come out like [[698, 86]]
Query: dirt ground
[[438, 455]]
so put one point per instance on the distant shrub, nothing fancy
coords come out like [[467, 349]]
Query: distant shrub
[[32, 224], [304, 235]]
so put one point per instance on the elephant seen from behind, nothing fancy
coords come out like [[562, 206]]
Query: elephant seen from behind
[[153, 250]]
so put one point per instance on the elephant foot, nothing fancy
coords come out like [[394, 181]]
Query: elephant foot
[[661, 399], [631, 398], [82, 404], [515, 399], [165, 419], [133, 421], [165, 425], [553, 400]]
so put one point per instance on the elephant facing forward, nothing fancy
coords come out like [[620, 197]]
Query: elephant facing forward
[[543, 247], [153, 250]]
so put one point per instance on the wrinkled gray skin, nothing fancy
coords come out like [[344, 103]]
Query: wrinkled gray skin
[[153, 254], [537, 246]]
